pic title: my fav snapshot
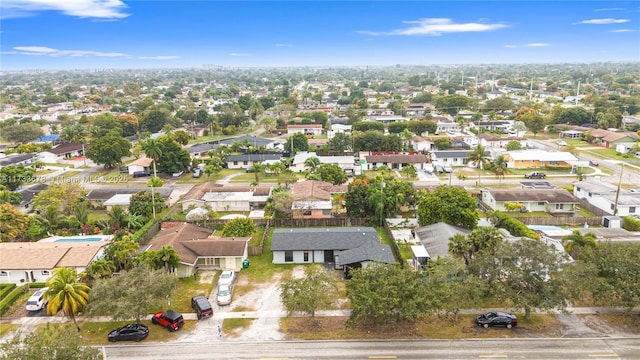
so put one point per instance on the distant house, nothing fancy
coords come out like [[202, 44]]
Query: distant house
[[226, 198], [555, 201], [346, 162], [307, 129], [447, 126], [500, 142], [342, 247], [451, 157], [28, 193], [422, 144], [626, 139], [199, 250], [16, 160], [395, 161], [604, 196], [339, 129], [246, 161], [61, 152], [140, 165], [121, 200], [312, 199], [538, 159], [24, 262], [97, 197]]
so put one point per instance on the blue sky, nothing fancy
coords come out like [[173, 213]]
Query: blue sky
[[74, 34]]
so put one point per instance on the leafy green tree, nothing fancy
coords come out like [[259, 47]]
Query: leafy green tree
[[62, 196], [397, 127], [534, 122], [66, 293], [500, 103], [420, 127], [173, 157], [300, 143], [13, 223], [370, 140], [332, 173], [100, 269], [616, 266], [154, 118], [403, 297], [356, 198], [365, 126], [132, 294], [279, 203], [121, 252], [315, 291], [142, 203], [50, 341], [240, 227], [450, 205], [22, 133], [442, 143], [524, 274], [117, 217], [452, 287], [13, 176], [108, 150], [576, 242], [8, 196], [483, 238], [73, 133], [268, 123], [181, 137], [514, 145], [452, 104], [409, 171]]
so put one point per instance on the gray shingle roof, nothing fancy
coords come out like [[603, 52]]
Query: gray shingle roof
[[368, 251], [254, 157], [435, 237], [341, 238]]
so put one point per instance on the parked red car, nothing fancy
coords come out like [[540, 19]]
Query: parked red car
[[170, 319]]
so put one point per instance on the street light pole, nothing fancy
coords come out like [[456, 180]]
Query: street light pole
[[615, 207]]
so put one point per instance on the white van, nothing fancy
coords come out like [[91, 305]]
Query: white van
[[36, 301]]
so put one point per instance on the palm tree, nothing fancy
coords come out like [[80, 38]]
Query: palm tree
[[152, 149], [312, 163], [256, 169], [117, 217], [479, 158], [66, 293], [100, 269], [169, 256], [500, 167], [576, 242], [81, 212]]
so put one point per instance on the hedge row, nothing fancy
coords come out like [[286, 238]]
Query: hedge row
[[630, 224], [11, 298], [5, 289]]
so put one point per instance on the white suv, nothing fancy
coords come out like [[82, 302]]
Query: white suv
[[36, 301]]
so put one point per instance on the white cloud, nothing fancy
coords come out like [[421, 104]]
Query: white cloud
[[603, 21], [238, 54], [511, 46], [99, 9], [622, 30], [538, 45], [283, 45], [160, 57], [437, 27], [47, 51]]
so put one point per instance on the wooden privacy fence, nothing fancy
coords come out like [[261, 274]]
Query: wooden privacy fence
[[561, 220]]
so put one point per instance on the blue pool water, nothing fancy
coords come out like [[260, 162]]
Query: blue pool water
[[544, 227], [81, 239]]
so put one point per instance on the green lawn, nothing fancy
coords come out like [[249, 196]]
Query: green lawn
[[95, 333], [246, 178]]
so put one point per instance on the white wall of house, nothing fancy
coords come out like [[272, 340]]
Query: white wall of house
[[316, 256]]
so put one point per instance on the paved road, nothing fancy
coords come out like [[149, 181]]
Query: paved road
[[546, 349]]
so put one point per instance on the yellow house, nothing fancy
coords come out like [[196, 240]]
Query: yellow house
[[528, 159]]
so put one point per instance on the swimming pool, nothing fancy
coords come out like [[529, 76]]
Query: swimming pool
[[79, 239], [544, 227]]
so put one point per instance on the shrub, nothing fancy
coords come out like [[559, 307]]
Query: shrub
[[5, 289], [630, 224], [11, 298]]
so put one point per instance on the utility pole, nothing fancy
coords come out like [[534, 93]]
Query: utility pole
[[615, 207]]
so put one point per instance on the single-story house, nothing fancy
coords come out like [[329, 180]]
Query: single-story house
[[28, 193], [503, 125], [61, 152], [121, 200], [348, 163], [339, 129], [140, 165], [496, 141], [603, 196], [17, 160], [22, 262], [590, 189], [451, 157], [201, 149], [386, 116], [613, 139], [97, 197], [547, 200], [342, 247], [246, 161], [199, 250], [422, 143], [435, 238], [307, 129], [536, 185], [395, 161], [537, 159], [226, 198], [312, 199], [447, 126]]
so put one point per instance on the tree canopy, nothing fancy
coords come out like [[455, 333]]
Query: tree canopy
[[450, 205]]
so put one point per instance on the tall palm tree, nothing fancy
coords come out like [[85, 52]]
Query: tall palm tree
[[500, 167], [169, 256], [312, 163], [100, 268], [81, 212], [66, 293], [479, 158], [152, 149], [576, 242], [117, 216]]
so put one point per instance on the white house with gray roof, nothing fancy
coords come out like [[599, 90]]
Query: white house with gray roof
[[344, 247]]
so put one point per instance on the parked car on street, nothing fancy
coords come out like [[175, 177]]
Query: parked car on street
[[134, 332], [202, 307], [224, 295], [535, 175], [593, 163], [497, 318], [226, 278], [170, 319]]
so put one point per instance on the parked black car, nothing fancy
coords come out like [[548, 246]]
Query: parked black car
[[202, 307], [535, 175], [133, 332], [497, 318]]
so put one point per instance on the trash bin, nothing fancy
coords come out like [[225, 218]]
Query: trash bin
[[245, 263]]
